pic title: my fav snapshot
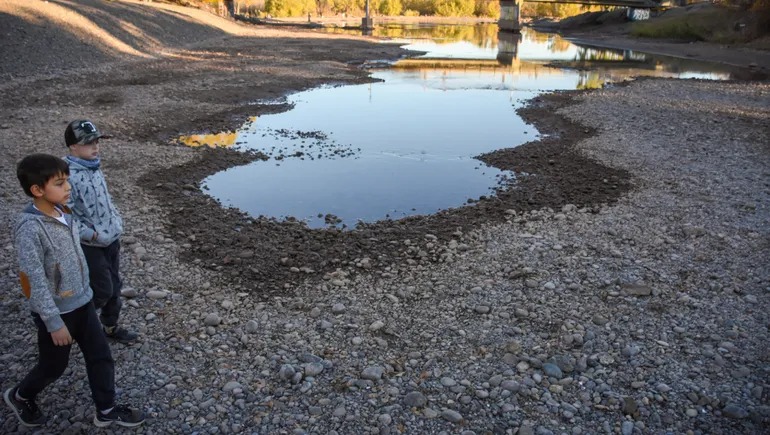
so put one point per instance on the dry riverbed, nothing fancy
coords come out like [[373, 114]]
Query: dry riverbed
[[622, 286]]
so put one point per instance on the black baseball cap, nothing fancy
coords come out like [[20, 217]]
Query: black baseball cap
[[82, 132]]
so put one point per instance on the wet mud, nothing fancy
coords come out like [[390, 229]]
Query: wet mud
[[266, 256]]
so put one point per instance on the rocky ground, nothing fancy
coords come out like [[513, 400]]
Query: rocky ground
[[621, 288]]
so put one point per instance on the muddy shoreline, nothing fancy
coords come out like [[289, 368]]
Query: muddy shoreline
[[622, 286], [555, 176]]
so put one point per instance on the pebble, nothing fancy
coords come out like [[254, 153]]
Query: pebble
[[526, 430], [287, 371], [230, 386], [338, 308], [731, 410], [212, 320], [510, 385], [448, 382], [156, 294], [251, 327], [295, 359], [451, 416], [552, 370], [415, 399], [129, 292], [430, 413], [313, 369], [482, 309], [599, 320], [373, 373], [627, 427]]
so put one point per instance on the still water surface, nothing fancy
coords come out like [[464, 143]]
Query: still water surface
[[406, 145]]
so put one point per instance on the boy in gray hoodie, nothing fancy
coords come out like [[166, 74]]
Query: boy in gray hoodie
[[54, 279], [99, 224]]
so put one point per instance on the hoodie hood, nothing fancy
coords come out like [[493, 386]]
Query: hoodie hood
[[31, 213]]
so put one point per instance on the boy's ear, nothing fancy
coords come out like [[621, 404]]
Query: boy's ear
[[36, 191]]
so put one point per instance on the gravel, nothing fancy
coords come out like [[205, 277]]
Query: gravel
[[645, 315]]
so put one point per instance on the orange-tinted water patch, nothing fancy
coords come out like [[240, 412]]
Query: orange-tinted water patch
[[214, 140]]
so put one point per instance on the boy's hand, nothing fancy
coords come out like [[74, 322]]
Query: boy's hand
[[61, 337]]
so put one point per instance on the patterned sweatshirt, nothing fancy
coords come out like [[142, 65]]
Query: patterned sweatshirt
[[92, 206], [52, 268]]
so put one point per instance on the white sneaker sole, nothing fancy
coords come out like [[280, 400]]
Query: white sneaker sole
[[7, 397], [99, 423]]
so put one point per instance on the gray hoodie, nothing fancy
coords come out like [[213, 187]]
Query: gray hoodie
[[52, 268], [92, 206]]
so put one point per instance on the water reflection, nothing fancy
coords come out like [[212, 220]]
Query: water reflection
[[508, 47], [221, 140], [384, 150], [405, 145]]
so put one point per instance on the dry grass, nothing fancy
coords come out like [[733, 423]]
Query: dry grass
[[718, 24]]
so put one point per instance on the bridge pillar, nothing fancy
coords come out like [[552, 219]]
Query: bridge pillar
[[367, 24], [509, 16]]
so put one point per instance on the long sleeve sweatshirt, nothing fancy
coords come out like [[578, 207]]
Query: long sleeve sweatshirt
[[52, 268], [92, 206]]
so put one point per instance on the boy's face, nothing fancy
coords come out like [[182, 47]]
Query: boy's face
[[56, 190], [88, 151]]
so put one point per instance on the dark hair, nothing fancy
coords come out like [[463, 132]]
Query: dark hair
[[37, 169]]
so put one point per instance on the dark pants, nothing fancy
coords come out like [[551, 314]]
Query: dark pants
[[86, 330], [104, 273]]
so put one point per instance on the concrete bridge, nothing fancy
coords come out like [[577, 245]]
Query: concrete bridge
[[509, 9]]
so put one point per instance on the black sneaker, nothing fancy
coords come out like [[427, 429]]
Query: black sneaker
[[121, 415], [120, 334], [26, 410]]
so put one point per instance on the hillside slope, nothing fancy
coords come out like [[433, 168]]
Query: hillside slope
[[48, 36]]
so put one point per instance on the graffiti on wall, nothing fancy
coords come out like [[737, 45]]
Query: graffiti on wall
[[638, 14]]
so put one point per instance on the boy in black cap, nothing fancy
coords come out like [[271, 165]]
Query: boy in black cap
[[99, 224]]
